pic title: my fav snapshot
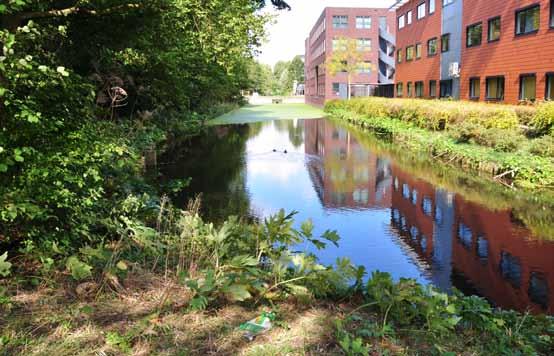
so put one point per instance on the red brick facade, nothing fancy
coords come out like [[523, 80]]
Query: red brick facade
[[510, 56], [319, 47], [426, 68]]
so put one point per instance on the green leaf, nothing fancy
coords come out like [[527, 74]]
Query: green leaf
[[79, 270], [3, 168], [238, 292], [5, 266], [121, 265]]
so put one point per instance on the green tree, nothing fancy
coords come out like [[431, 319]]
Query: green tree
[[346, 57]]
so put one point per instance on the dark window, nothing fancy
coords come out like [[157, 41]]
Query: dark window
[[552, 13], [465, 235], [418, 50], [474, 35], [406, 189], [445, 43], [446, 89], [340, 21], [409, 94], [421, 11], [433, 88], [399, 56], [510, 267], [432, 47], [414, 192], [494, 29], [527, 87], [427, 206], [538, 289], [482, 247], [528, 20], [495, 88], [336, 88], [410, 53], [419, 89], [550, 86], [474, 88], [399, 89]]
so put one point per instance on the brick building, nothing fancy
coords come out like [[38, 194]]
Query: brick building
[[500, 50], [508, 50], [374, 30]]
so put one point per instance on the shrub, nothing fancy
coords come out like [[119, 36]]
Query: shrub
[[543, 120], [543, 146]]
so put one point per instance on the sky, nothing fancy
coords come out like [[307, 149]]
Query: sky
[[286, 37]]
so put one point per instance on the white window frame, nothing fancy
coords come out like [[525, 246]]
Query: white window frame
[[431, 7], [409, 17], [363, 22], [401, 22], [421, 10]]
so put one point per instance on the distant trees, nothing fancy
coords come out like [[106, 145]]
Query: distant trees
[[277, 81]]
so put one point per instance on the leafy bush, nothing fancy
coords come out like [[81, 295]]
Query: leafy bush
[[543, 121], [543, 146], [448, 322], [432, 114], [499, 139]]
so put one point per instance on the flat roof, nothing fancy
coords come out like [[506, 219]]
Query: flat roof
[[398, 4]]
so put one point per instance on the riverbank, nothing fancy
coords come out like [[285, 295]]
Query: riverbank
[[185, 286], [454, 134]]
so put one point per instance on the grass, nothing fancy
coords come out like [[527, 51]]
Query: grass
[[257, 113], [439, 138], [56, 321]]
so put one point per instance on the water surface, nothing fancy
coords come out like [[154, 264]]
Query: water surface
[[390, 216]]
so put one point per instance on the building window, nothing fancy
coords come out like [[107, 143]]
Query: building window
[[340, 21], [446, 89], [399, 89], [474, 35], [528, 20], [409, 93], [420, 11], [549, 86], [432, 47], [399, 56], [552, 13], [363, 22], [433, 88], [431, 7], [510, 268], [447, 2], [401, 22], [409, 17], [495, 88], [528, 87], [474, 88], [336, 88], [494, 29], [409, 53], [445, 43], [365, 67], [419, 89], [364, 44], [418, 50]]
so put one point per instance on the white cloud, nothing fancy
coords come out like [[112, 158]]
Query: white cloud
[[286, 37]]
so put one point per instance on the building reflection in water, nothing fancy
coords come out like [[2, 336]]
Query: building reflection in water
[[344, 173], [462, 244]]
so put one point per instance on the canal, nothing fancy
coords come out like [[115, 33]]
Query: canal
[[394, 212]]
